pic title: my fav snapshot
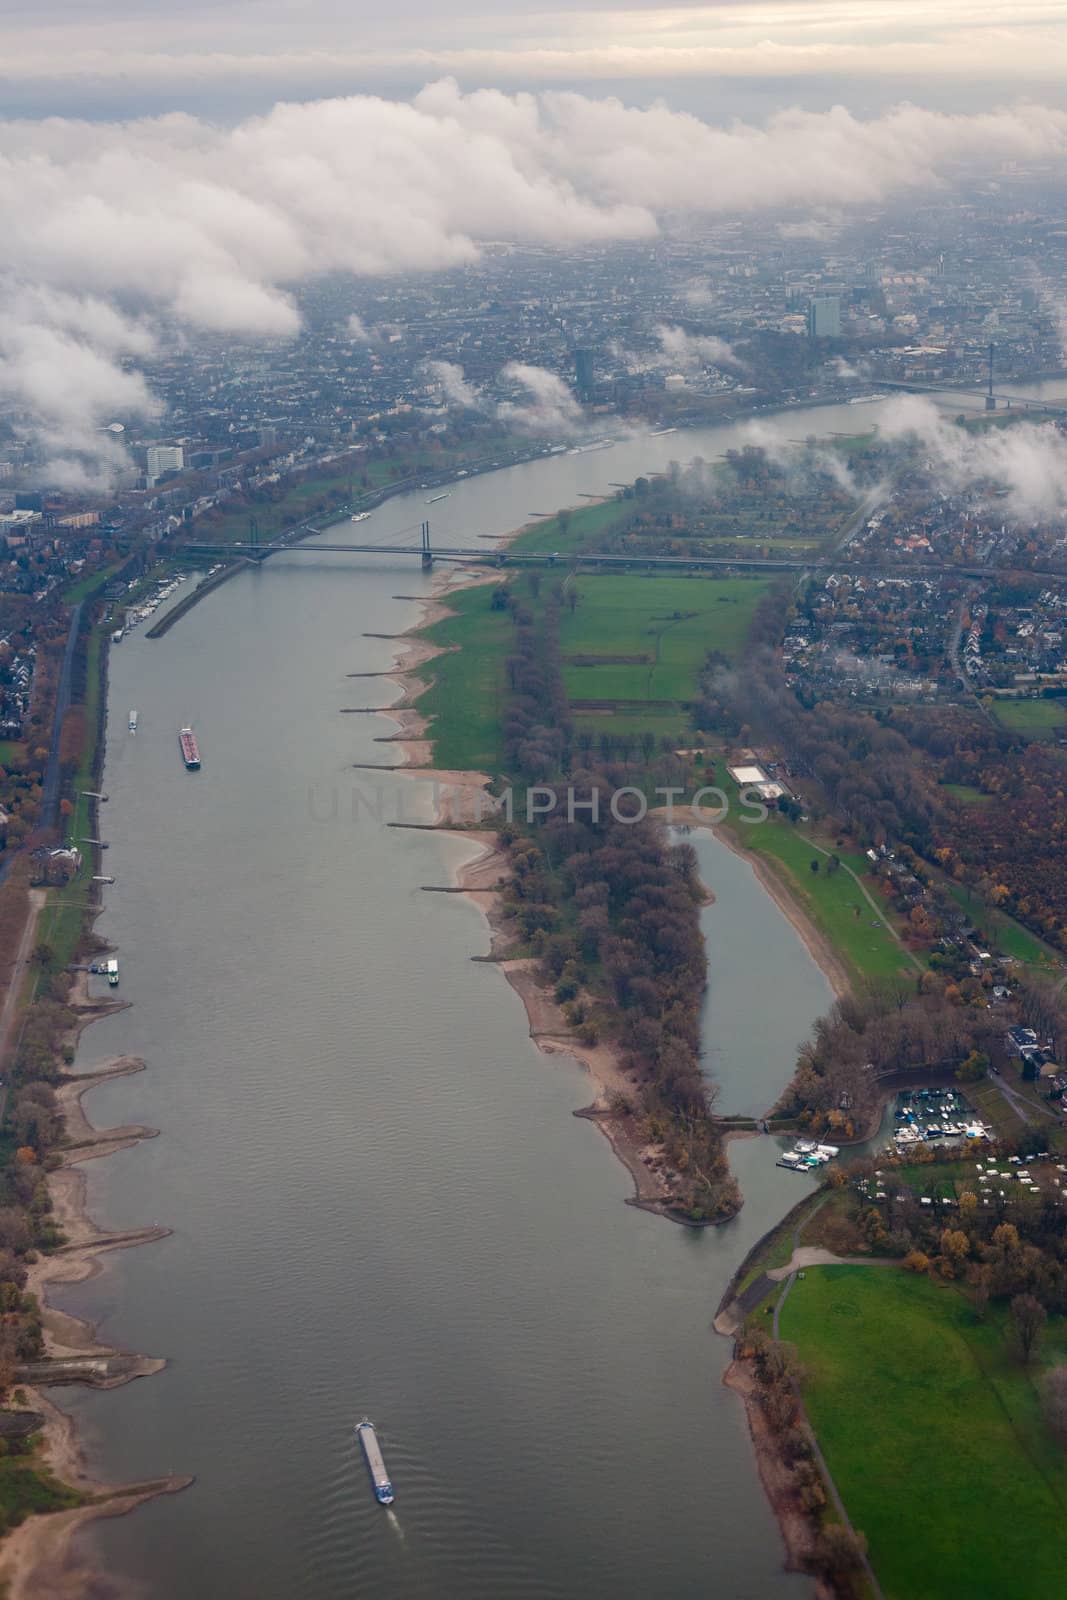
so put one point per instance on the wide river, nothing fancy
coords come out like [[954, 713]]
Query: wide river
[[380, 1200]]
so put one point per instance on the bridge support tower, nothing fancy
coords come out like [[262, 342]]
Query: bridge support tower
[[427, 554]]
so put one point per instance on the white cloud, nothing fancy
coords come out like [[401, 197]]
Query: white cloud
[[211, 228], [457, 390], [551, 407], [1028, 460], [686, 351]]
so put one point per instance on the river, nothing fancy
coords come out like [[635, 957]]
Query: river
[[380, 1200]]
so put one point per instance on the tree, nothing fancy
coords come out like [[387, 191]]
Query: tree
[[1028, 1319], [974, 1067], [815, 864], [840, 1553]]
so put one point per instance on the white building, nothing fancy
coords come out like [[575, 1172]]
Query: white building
[[164, 458]]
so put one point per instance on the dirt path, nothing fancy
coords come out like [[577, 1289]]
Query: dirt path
[[813, 1255]]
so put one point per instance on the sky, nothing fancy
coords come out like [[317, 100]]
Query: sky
[[185, 168], [224, 58]]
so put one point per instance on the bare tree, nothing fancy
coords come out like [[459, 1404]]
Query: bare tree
[[1028, 1319]]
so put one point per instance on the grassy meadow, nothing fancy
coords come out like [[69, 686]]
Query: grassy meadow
[[933, 1432]]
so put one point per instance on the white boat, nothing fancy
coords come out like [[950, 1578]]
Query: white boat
[[112, 970], [360, 516], [133, 721]]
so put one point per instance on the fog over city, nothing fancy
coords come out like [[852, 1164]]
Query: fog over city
[[114, 226]]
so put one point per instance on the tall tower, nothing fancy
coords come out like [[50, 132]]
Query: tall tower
[[990, 399]]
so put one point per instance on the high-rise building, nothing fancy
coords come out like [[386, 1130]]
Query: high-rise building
[[164, 458], [824, 317], [584, 373]]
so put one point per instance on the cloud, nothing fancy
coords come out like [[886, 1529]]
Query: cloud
[[551, 407], [357, 330], [457, 390], [207, 228], [60, 371], [1028, 460], [686, 351]]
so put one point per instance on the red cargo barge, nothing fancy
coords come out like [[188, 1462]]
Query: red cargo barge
[[190, 749]]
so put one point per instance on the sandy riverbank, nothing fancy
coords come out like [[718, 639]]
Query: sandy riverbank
[[797, 1528], [39, 1557], [482, 877]]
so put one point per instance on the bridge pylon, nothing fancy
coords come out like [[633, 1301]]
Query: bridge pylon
[[427, 553]]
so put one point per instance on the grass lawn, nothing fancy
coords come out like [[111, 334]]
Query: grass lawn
[[568, 531], [469, 689], [26, 1488], [832, 900], [966, 795], [638, 642], [933, 1434], [84, 587], [1004, 934], [11, 750], [1032, 719]]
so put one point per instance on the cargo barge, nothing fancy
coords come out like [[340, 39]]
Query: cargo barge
[[383, 1489], [190, 749]]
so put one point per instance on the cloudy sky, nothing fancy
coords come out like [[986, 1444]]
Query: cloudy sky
[[186, 167], [95, 57]]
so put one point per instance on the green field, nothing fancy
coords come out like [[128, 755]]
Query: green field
[[469, 689], [674, 621], [832, 900], [966, 795], [933, 1433], [1032, 719], [567, 531], [1005, 935], [652, 636]]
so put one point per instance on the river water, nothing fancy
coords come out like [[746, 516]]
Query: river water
[[380, 1200]]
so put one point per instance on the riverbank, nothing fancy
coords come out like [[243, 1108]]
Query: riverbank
[[482, 880], [38, 1557]]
